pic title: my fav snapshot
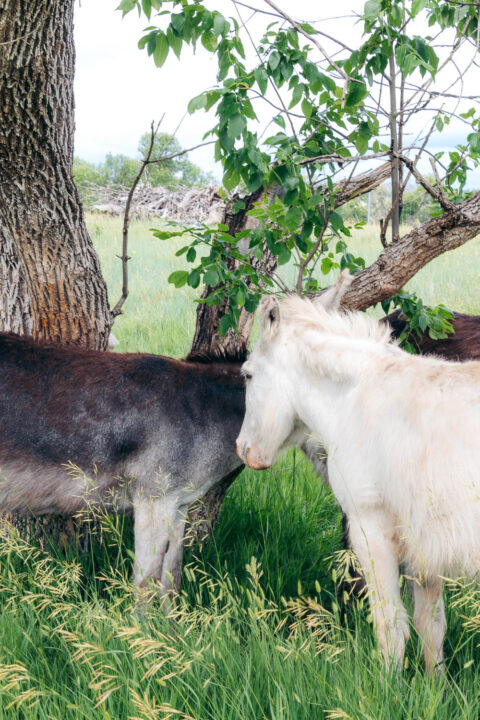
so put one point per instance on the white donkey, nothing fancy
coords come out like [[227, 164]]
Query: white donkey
[[402, 434]]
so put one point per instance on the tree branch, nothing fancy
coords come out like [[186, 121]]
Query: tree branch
[[400, 261], [360, 184], [117, 310], [164, 158], [437, 195]]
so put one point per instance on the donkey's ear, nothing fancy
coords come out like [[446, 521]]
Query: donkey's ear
[[330, 299], [269, 314]]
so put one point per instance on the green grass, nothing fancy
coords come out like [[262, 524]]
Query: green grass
[[260, 630]]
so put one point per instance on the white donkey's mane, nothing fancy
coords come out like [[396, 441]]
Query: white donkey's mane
[[307, 315]]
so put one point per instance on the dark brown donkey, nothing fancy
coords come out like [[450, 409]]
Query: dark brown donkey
[[127, 432]]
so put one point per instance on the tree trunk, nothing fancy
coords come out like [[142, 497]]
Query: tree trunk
[[53, 287], [395, 171], [206, 339]]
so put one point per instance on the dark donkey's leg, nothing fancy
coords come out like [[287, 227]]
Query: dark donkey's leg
[[159, 528]]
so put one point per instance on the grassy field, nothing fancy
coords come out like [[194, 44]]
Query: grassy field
[[260, 630]]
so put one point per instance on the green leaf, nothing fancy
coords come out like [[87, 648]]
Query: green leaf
[[191, 254], [236, 126], [161, 49], [255, 181], [209, 41], [237, 205], [372, 9], [274, 60], [474, 140], [164, 234], [326, 265], [147, 8], [126, 6], [396, 15], [223, 326], [194, 278], [241, 298], [357, 91], [291, 182], [307, 108], [308, 28], [175, 42], [219, 24], [417, 6], [178, 21], [196, 103], [293, 218], [178, 278], [231, 178], [284, 257], [261, 78], [336, 220], [211, 277]]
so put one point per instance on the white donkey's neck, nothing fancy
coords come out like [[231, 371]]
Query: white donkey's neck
[[330, 373]]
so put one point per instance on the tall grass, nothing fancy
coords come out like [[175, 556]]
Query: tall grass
[[259, 629]]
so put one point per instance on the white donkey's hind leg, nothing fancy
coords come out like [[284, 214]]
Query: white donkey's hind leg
[[371, 538], [430, 621], [158, 532]]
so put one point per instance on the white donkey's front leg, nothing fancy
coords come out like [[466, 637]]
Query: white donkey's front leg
[[371, 539], [159, 528], [430, 621]]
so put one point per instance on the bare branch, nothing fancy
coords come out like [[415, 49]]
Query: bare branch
[[396, 190], [437, 195], [117, 310], [164, 158]]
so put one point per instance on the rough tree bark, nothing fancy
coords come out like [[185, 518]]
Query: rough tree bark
[[52, 285], [15, 313]]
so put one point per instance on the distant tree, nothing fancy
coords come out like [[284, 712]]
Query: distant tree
[[122, 170], [119, 169], [85, 174], [172, 173]]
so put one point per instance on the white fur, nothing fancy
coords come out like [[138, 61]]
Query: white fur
[[403, 440]]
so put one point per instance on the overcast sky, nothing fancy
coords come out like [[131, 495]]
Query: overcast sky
[[119, 91]]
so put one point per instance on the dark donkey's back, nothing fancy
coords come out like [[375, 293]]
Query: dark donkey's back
[[141, 432]]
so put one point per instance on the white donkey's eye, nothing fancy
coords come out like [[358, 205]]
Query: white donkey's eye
[[246, 372]]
